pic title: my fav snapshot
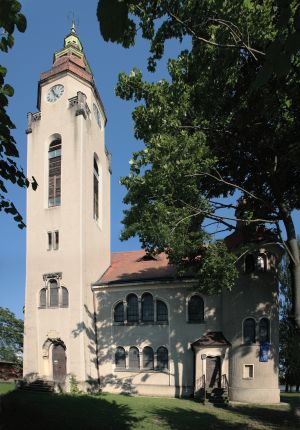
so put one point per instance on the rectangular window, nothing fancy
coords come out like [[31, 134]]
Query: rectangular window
[[248, 371], [56, 240], [49, 234]]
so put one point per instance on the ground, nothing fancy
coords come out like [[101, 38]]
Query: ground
[[45, 411]]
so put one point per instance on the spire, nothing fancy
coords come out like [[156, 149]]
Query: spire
[[73, 28]]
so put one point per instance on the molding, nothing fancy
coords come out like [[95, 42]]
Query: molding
[[55, 275]]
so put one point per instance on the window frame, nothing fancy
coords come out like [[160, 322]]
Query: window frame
[[130, 358], [268, 338], [158, 359], [148, 363], [147, 308], [158, 319], [129, 313], [119, 303], [254, 331], [189, 300], [54, 172], [118, 367]]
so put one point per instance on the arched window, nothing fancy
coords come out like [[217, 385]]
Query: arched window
[[147, 307], [53, 293], [54, 189], [64, 297], [148, 358], [119, 312], [249, 263], [161, 311], [132, 308], [120, 358], [162, 358], [249, 330], [196, 309], [264, 330], [134, 358], [96, 190], [43, 298]]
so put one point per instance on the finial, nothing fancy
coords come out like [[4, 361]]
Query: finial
[[73, 28]]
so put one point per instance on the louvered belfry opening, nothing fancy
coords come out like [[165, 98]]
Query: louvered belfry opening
[[54, 173]]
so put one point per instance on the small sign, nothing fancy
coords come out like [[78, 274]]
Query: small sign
[[264, 352]]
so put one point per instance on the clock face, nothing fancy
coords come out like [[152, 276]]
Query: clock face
[[97, 115], [55, 93]]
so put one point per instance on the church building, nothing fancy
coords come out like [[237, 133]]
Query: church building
[[125, 322]]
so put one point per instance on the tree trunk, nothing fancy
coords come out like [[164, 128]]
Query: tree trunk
[[286, 388], [294, 266]]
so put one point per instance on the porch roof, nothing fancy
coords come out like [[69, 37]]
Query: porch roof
[[212, 338]]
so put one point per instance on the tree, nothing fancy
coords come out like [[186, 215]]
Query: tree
[[225, 123], [289, 350], [11, 336], [10, 17]]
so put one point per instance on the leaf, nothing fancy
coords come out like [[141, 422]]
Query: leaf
[[113, 19], [21, 22], [8, 90]]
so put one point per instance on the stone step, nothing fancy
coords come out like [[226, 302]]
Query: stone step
[[37, 385]]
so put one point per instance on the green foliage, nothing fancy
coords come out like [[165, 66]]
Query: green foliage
[[74, 389], [10, 19], [223, 122], [11, 336], [289, 338]]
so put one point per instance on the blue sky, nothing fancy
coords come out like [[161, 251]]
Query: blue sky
[[48, 23]]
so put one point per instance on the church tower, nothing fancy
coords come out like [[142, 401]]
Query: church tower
[[68, 220]]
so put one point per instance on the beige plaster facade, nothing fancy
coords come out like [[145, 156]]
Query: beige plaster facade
[[85, 326]]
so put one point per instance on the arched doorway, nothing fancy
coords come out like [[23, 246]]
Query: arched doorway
[[59, 363]]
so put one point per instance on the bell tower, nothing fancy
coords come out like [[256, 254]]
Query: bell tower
[[68, 219]]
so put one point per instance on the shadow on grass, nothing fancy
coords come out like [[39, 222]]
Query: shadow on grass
[[182, 419], [45, 411]]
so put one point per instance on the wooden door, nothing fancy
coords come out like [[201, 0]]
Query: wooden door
[[213, 372], [59, 363]]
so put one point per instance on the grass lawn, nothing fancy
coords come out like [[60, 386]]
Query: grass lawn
[[5, 387], [30, 410]]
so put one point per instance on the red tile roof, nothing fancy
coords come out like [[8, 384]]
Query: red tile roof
[[135, 266]]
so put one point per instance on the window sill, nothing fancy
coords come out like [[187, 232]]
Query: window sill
[[118, 369], [53, 307], [196, 322], [115, 323]]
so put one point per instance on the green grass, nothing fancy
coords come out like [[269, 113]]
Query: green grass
[[5, 387], [106, 411]]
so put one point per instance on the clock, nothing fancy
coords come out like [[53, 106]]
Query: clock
[[55, 93], [97, 115]]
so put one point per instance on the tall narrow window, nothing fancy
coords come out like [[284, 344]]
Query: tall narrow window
[[161, 311], [147, 308], [53, 293], [148, 358], [64, 297], [49, 235], [162, 358], [54, 173], [196, 309], [264, 330], [43, 298], [249, 330], [119, 312], [56, 240], [96, 190], [132, 308], [120, 358], [134, 358]]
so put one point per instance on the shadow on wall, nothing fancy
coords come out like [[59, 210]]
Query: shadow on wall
[[180, 377]]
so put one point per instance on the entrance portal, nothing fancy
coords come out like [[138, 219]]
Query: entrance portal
[[59, 363], [213, 372]]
